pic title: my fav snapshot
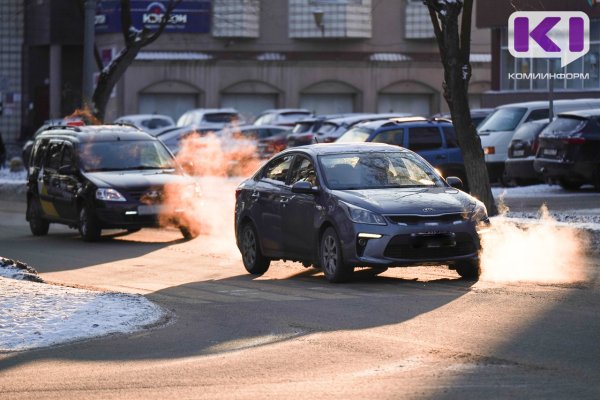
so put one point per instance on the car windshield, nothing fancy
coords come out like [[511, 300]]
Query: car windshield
[[124, 155], [377, 170], [219, 117], [565, 126], [302, 127], [503, 119], [355, 135]]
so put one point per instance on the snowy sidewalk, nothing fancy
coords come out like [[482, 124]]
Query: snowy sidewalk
[[34, 314]]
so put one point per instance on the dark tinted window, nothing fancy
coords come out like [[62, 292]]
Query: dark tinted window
[[303, 171], [564, 126], [124, 155], [538, 114], [278, 169], [67, 156], [38, 152], [425, 138], [53, 156], [450, 135], [156, 123], [395, 136], [302, 127], [529, 131], [219, 117]]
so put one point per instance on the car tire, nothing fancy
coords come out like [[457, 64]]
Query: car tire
[[254, 261], [188, 232], [88, 225], [469, 270], [38, 225], [568, 184], [331, 258]]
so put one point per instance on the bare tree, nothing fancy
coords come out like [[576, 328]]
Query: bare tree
[[453, 34], [134, 40]]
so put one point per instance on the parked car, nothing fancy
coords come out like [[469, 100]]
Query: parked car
[[210, 118], [477, 115], [268, 139], [569, 151], [497, 130], [332, 129], [282, 116], [435, 140], [26, 150], [100, 177], [173, 137], [305, 130], [151, 123], [521, 153], [340, 206]]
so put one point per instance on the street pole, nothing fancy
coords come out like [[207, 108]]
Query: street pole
[[87, 88], [551, 90]]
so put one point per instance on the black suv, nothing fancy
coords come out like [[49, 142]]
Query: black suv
[[569, 150], [104, 177]]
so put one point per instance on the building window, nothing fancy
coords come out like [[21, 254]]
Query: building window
[[588, 64], [417, 21]]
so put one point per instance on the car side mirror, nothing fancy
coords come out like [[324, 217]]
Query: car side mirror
[[304, 187], [66, 170], [455, 182]]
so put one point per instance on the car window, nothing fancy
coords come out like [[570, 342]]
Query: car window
[[219, 117], [502, 119], [424, 138], [125, 155], [67, 156], [303, 170], [450, 136], [277, 169], [53, 154], [356, 134], [38, 152], [264, 119], [395, 136], [155, 123], [538, 114], [302, 127]]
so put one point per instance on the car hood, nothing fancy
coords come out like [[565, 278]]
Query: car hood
[[135, 180], [413, 201]]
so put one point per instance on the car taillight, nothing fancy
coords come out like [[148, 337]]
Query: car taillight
[[535, 145], [574, 140]]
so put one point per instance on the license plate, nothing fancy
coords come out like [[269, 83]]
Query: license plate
[[550, 152], [150, 210], [518, 153]]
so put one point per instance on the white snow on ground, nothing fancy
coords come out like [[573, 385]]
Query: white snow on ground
[[36, 314], [538, 190], [12, 178]]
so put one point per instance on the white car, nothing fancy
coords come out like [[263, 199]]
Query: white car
[[210, 118], [151, 123], [497, 130]]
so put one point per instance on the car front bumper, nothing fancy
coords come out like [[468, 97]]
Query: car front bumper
[[400, 246], [132, 216]]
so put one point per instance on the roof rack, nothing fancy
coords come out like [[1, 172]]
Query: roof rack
[[69, 127]]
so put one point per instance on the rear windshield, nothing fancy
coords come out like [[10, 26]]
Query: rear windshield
[[355, 135], [303, 127], [529, 131], [220, 117], [156, 123], [327, 127], [502, 119], [124, 155], [293, 116], [565, 126]]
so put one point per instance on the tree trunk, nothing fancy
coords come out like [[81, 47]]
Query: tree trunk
[[455, 54]]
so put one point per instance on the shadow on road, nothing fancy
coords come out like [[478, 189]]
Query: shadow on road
[[218, 316]]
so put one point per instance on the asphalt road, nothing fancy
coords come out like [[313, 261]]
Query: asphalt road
[[409, 333]]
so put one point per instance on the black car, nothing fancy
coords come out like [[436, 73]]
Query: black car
[[341, 206], [100, 177], [518, 167], [569, 151]]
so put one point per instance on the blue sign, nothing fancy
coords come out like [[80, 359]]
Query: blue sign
[[190, 16]]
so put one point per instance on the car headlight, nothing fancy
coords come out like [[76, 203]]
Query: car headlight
[[361, 216], [109, 194], [478, 214]]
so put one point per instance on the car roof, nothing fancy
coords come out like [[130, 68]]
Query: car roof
[[542, 104], [593, 112], [213, 110], [415, 121], [339, 148], [96, 133], [286, 110], [360, 117], [143, 116]]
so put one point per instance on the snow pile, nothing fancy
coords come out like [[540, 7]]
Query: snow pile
[[12, 178], [18, 270], [36, 314]]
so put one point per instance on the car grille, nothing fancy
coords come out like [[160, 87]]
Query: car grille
[[430, 246], [426, 219], [147, 196]]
